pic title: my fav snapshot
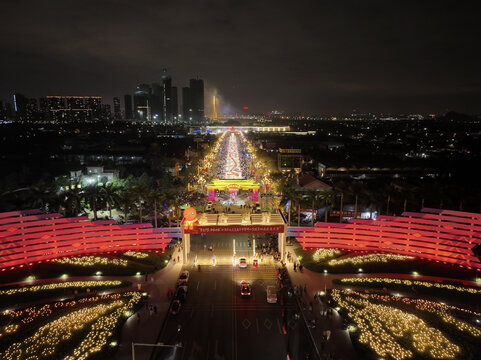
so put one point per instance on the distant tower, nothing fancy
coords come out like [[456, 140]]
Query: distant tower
[[215, 117]]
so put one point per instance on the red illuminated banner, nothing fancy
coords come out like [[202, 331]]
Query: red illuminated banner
[[235, 229]]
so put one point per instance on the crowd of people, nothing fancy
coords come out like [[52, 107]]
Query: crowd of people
[[219, 167]]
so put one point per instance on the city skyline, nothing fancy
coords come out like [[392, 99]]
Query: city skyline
[[307, 57]]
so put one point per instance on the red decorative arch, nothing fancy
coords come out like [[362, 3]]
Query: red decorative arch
[[434, 234], [29, 236]]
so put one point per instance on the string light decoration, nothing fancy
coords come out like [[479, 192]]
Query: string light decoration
[[99, 319], [427, 284], [324, 254], [369, 258], [18, 318], [136, 254], [442, 310], [61, 285], [90, 261], [387, 330]]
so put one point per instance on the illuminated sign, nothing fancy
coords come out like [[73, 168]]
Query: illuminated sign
[[235, 229]]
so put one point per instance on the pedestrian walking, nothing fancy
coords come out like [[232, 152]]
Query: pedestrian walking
[[155, 309], [138, 318], [178, 259], [295, 267], [151, 310]]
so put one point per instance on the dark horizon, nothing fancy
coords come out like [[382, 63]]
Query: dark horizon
[[307, 57]]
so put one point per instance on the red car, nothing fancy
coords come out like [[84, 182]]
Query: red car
[[175, 308], [245, 289]]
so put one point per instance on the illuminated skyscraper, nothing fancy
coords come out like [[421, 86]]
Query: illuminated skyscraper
[[197, 99], [167, 99], [20, 106], [141, 102]]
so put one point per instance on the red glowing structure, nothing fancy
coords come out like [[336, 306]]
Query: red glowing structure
[[29, 236], [434, 234]]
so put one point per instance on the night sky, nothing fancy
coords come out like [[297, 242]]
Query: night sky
[[296, 56]]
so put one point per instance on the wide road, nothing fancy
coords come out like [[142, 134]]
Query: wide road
[[217, 323]]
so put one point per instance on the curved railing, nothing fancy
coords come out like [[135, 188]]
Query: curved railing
[[440, 235], [29, 236]]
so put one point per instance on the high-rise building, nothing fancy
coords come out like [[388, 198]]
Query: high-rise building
[[175, 105], [31, 110], [156, 102], [186, 105], [197, 99], [128, 107], [105, 112], [141, 103], [167, 99], [117, 113], [74, 108], [20, 105]]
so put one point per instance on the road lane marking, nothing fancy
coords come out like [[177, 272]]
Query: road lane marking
[[246, 324]]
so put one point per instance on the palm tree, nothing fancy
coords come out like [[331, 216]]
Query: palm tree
[[313, 197], [92, 195], [71, 201], [329, 198], [156, 196], [125, 201], [110, 194], [140, 192]]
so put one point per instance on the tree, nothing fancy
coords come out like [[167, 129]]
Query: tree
[[140, 192], [92, 195], [125, 201], [328, 199], [155, 197], [71, 201], [110, 195]]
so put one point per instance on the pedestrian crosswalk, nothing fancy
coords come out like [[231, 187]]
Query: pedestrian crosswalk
[[263, 272], [254, 274]]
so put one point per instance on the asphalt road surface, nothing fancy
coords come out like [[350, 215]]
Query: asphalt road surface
[[217, 323]]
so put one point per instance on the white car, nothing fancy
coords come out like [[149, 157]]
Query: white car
[[242, 262], [271, 294]]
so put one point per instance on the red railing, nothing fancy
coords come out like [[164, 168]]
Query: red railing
[[29, 236], [441, 235]]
